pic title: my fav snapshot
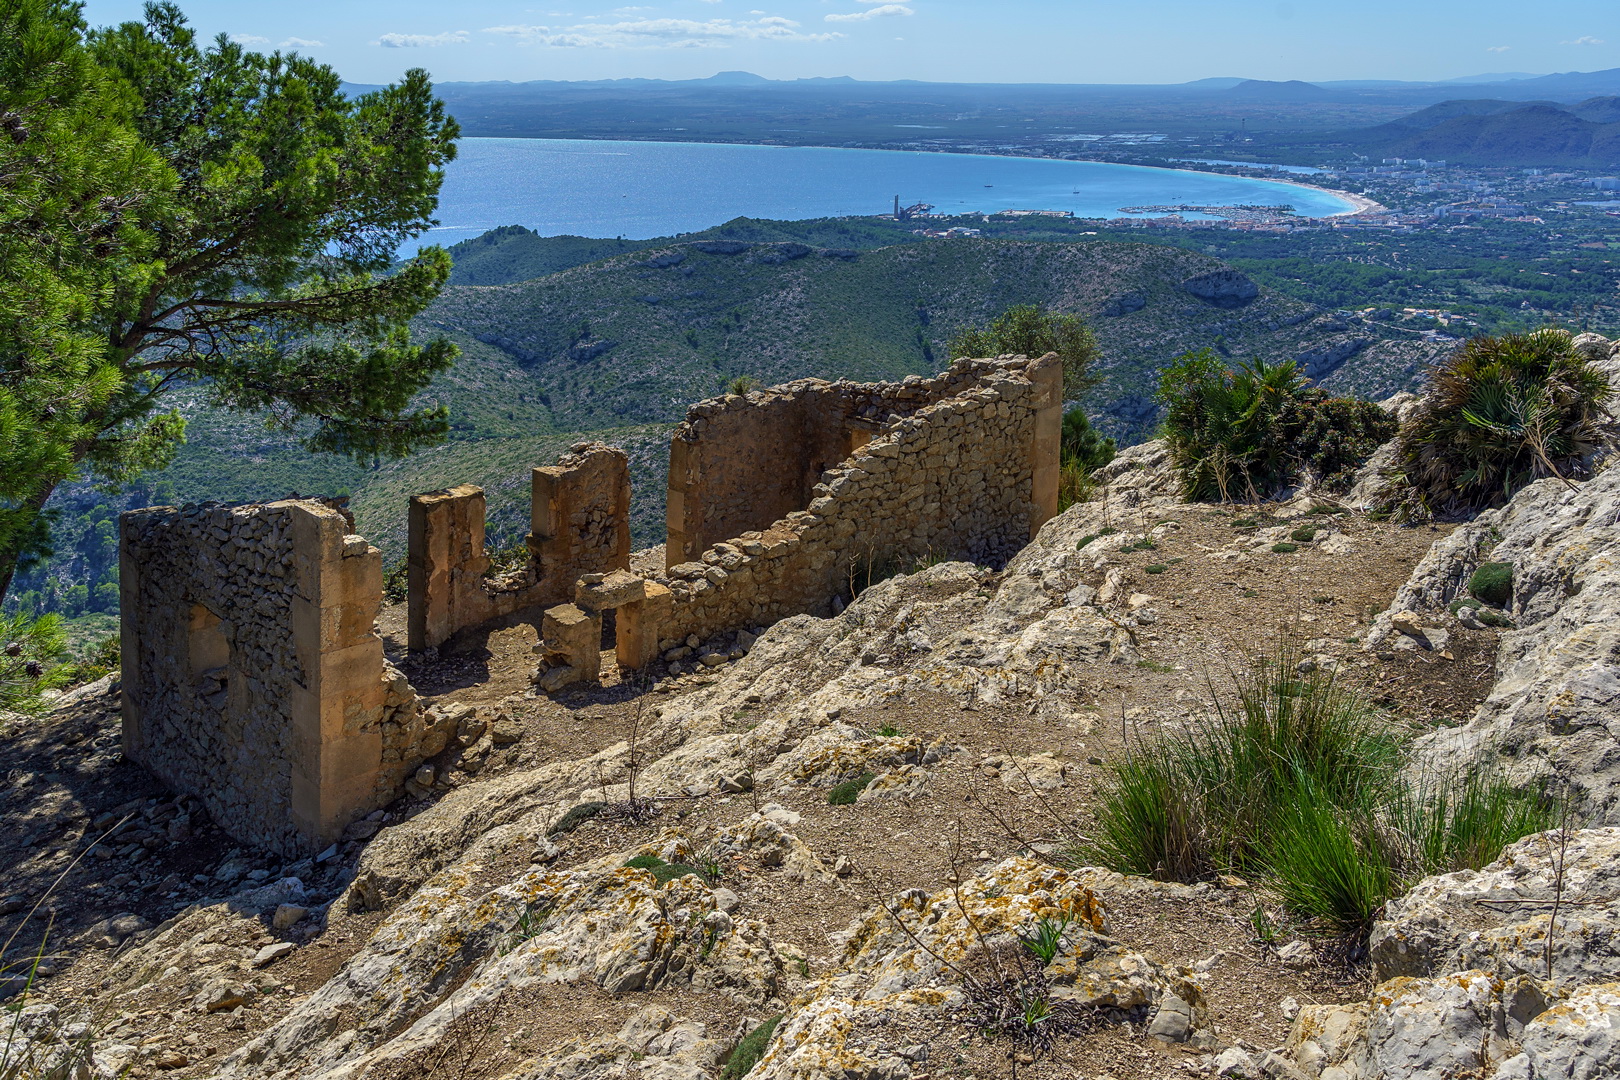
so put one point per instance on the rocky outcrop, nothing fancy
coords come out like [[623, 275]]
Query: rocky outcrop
[[1507, 973], [1223, 288], [1554, 713]]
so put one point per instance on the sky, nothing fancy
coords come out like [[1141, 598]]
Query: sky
[[1060, 41]]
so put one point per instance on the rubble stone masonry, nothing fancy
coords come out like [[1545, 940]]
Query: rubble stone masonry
[[252, 676], [962, 466], [579, 524]]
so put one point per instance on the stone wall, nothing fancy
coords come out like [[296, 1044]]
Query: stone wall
[[740, 463], [252, 676], [580, 524], [963, 466]]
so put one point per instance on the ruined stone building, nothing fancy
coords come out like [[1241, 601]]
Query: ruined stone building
[[254, 677]]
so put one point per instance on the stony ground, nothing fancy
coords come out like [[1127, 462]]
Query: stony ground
[[980, 768]]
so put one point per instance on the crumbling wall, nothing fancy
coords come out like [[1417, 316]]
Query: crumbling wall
[[252, 677], [739, 464], [965, 466], [579, 524]]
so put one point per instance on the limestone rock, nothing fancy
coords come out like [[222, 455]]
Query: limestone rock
[[457, 945], [1553, 708], [1496, 919]]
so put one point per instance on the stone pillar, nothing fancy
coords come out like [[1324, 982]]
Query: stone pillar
[[571, 647], [678, 539], [1046, 448], [579, 519], [335, 721], [446, 565], [641, 625]]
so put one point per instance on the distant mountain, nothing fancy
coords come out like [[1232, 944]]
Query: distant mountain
[[1435, 115], [1496, 77], [1262, 90], [1565, 86], [735, 78], [1599, 110], [1497, 132], [1215, 83]]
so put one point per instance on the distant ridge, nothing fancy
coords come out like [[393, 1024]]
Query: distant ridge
[[1264, 90], [1504, 132]]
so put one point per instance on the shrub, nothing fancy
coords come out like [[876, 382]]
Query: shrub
[[101, 659], [1499, 413], [1247, 433], [742, 384], [845, 794], [1304, 534], [1156, 568], [1492, 583], [1284, 548], [1089, 537], [575, 817], [645, 862], [397, 582], [1298, 784], [1074, 485], [1030, 330], [1083, 444], [749, 1049]]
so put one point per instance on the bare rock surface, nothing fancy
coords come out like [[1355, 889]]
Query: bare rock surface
[[1554, 713]]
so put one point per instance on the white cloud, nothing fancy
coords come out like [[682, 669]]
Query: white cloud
[[1498, 48], [871, 13], [250, 39], [422, 41], [302, 43], [660, 33], [1586, 39]]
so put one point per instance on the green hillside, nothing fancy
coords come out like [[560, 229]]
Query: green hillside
[[618, 348], [635, 338]]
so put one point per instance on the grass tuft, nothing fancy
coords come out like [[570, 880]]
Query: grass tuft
[[1284, 548], [1492, 583], [846, 793], [1299, 784], [749, 1049], [575, 817]]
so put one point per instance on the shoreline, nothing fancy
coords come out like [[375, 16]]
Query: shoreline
[[1359, 204]]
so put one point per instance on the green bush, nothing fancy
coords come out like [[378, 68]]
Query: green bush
[[1499, 413], [1156, 568], [1298, 784], [1304, 534], [1083, 444], [397, 582], [1492, 583], [101, 659], [663, 872], [1249, 432], [576, 816], [1284, 548], [1089, 537], [845, 794], [749, 1049]]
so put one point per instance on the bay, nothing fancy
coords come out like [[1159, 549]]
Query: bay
[[638, 190]]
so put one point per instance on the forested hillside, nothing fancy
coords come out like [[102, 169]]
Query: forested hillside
[[636, 337], [618, 348]]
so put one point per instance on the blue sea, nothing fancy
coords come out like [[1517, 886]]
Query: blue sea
[[639, 190]]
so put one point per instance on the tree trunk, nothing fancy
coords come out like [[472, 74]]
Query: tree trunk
[[9, 560]]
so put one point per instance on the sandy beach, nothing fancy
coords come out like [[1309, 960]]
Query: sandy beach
[[1360, 204]]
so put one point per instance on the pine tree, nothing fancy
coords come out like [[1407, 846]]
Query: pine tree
[[254, 262]]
